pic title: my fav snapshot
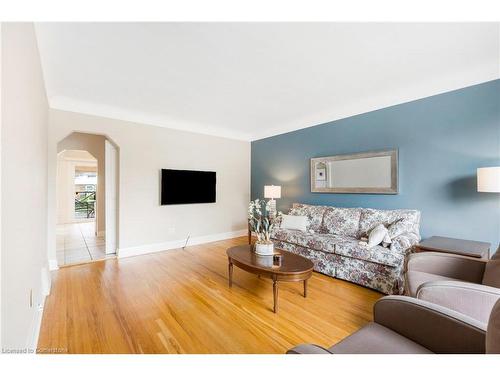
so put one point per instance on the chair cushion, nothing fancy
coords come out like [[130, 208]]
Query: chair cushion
[[493, 331], [377, 339], [342, 221], [350, 247], [371, 218], [323, 242], [417, 278], [307, 349], [313, 213], [491, 275]]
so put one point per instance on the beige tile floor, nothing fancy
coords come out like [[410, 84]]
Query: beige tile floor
[[77, 243]]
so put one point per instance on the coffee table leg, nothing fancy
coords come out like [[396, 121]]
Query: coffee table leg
[[305, 288], [275, 295], [230, 273]]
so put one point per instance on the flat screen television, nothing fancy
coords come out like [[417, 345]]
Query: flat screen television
[[186, 187]]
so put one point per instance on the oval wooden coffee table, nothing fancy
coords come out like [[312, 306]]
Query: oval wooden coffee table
[[293, 267]]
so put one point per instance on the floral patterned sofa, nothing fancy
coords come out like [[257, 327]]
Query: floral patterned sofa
[[332, 243]]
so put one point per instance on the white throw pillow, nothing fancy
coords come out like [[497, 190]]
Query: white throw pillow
[[378, 235], [294, 222]]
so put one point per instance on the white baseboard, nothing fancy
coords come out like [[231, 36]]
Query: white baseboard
[[154, 248], [36, 323], [53, 265]]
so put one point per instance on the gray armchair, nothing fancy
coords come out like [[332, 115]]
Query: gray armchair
[[405, 325], [467, 285]]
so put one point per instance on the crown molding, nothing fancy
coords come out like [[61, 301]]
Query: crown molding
[[362, 106], [64, 103]]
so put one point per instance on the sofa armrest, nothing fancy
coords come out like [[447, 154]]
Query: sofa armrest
[[474, 300], [308, 349], [436, 328], [404, 243], [448, 265]]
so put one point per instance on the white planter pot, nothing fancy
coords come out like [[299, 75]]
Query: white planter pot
[[264, 249]]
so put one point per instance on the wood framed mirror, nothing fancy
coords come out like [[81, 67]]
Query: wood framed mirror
[[360, 173]]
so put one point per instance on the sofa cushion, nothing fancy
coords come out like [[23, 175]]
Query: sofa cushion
[[351, 247], [370, 218], [342, 221], [324, 262], [313, 213], [315, 241]]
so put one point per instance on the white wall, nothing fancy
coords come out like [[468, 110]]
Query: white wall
[[24, 186], [145, 225]]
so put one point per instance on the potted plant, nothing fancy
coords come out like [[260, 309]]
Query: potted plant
[[262, 220]]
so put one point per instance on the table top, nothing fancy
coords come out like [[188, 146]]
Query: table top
[[290, 263], [475, 249]]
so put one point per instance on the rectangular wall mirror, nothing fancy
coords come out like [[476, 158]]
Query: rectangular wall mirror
[[362, 173]]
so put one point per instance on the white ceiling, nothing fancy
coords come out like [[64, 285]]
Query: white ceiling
[[252, 80]]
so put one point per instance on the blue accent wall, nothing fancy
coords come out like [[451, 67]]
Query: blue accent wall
[[441, 140]]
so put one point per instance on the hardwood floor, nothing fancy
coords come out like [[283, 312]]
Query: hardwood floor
[[178, 301]]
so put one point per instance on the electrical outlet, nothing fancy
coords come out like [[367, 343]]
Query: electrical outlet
[[31, 298]]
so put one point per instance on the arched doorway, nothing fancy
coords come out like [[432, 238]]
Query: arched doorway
[[86, 197]]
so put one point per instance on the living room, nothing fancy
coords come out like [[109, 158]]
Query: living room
[[259, 188]]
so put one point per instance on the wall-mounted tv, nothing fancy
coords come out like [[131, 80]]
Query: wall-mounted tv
[[186, 187]]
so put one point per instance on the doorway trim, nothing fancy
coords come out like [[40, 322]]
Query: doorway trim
[[110, 200]]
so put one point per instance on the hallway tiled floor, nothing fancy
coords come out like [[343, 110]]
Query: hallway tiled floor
[[77, 243]]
